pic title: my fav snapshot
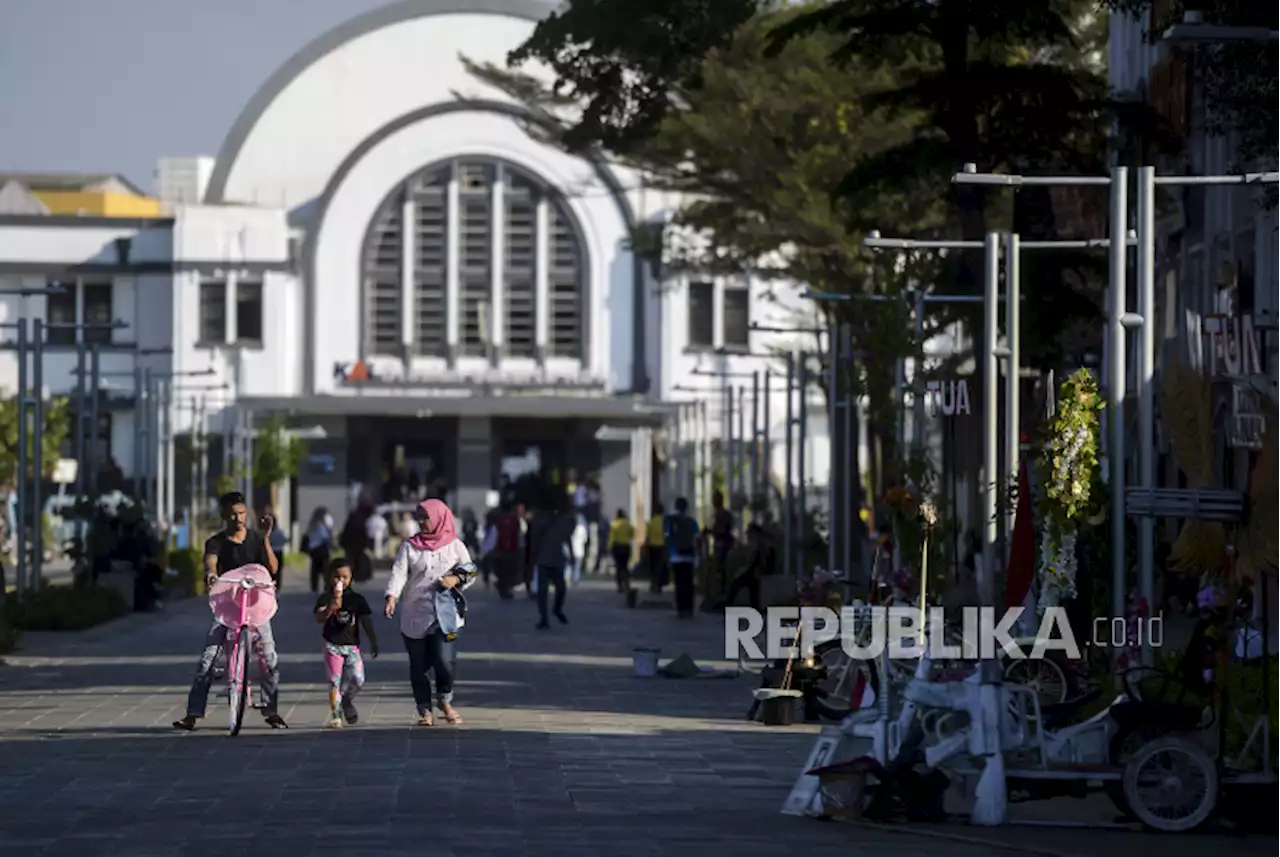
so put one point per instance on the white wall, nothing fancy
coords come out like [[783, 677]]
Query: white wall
[[319, 118]]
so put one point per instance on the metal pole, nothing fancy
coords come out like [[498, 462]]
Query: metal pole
[[37, 456], [727, 435], [1012, 397], [144, 438], [202, 482], [169, 462], [740, 456], [24, 496], [990, 414], [81, 416], [248, 456], [849, 514], [1116, 381], [1146, 385], [990, 803], [789, 496], [95, 386], [835, 451], [755, 441], [802, 493], [138, 397], [917, 379], [766, 464]]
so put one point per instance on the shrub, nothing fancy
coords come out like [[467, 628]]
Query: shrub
[[189, 565], [65, 608]]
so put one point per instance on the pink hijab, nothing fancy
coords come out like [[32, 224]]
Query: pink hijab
[[438, 529]]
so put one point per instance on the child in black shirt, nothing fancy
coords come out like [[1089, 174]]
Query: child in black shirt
[[343, 612]]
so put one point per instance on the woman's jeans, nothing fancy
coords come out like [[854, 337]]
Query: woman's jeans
[[265, 649], [430, 653], [548, 576]]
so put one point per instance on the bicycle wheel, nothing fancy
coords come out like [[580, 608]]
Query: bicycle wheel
[[238, 679]]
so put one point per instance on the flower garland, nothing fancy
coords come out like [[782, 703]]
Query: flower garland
[[1068, 463]]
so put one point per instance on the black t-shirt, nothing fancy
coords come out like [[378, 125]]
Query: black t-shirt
[[232, 555], [343, 627]]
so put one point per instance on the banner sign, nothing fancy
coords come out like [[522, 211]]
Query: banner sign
[[396, 375]]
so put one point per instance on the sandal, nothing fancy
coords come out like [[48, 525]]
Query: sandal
[[452, 717], [335, 723], [186, 724], [426, 719]]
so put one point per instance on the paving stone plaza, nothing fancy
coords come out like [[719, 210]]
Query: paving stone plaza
[[564, 752]]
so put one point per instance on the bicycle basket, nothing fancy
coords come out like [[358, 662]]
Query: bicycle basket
[[225, 595]]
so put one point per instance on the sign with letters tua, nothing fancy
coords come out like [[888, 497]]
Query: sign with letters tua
[[947, 398]]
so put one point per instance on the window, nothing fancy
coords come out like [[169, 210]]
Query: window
[[737, 318], [249, 313], [520, 254], [213, 313], [451, 255], [430, 194], [97, 311], [566, 287], [60, 315], [702, 323], [382, 265]]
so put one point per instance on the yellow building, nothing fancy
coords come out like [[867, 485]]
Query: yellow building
[[77, 195]]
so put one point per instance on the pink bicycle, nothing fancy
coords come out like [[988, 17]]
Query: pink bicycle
[[242, 600]]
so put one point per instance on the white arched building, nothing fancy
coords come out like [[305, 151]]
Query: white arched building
[[382, 254]]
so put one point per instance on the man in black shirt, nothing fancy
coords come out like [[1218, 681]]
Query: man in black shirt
[[234, 547]]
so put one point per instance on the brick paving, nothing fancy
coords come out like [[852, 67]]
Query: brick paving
[[564, 752]]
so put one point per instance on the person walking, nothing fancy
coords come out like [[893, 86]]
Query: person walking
[[655, 549], [551, 544], [355, 541], [682, 542], [427, 565], [722, 540], [621, 536], [343, 612], [318, 543]]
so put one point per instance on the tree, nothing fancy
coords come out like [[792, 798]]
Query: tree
[[1239, 79], [754, 145], [277, 455], [56, 425]]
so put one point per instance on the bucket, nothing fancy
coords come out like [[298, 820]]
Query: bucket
[[645, 662], [777, 706]]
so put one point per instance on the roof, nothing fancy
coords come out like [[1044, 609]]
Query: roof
[[67, 181]]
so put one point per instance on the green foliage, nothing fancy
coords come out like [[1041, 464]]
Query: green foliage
[[189, 565], [623, 61], [277, 454], [66, 608], [56, 425], [1069, 458]]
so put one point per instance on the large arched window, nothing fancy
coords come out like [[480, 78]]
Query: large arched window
[[488, 249]]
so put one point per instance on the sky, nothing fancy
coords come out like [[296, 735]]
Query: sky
[[114, 85]]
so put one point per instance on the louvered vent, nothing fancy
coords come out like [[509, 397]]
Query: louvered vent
[[430, 193], [565, 297], [382, 265], [520, 264]]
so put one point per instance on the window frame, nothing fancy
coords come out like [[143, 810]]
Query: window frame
[[202, 329], [62, 337], [103, 336], [692, 345], [253, 286], [736, 289]]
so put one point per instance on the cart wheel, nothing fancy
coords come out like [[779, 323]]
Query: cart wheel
[[1051, 680], [1171, 785]]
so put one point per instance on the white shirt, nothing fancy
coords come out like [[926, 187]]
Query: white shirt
[[414, 573]]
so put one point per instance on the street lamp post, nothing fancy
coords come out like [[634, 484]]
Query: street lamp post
[[1117, 323]]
